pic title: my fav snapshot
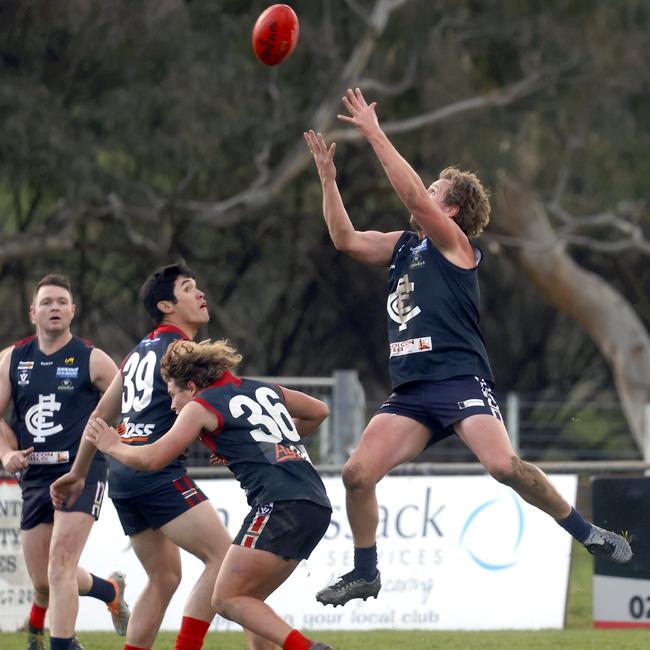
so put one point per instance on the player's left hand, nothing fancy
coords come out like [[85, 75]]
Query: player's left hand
[[362, 115], [102, 436]]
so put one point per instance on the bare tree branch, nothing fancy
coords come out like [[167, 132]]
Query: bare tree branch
[[388, 89], [229, 211], [605, 314], [267, 186]]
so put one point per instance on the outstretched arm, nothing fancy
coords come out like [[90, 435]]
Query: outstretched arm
[[192, 419], [369, 247], [442, 230]]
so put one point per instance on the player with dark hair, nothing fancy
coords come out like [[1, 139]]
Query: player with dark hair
[[165, 510], [55, 380], [254, 428], [441, 377]]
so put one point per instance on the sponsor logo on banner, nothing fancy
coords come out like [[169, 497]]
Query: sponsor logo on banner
[[477, 529], [411, 346]]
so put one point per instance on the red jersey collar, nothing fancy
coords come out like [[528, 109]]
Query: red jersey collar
[[226, 378], [167, 328]]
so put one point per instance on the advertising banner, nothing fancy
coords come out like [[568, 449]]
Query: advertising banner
[[15, 585], [456, 553], [622, 592]]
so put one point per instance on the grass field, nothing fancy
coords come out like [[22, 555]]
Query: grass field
[[578, 635]]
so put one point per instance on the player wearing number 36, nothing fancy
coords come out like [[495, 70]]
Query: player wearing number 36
[[254, 428], [165, 510]]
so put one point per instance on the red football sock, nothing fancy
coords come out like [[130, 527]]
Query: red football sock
[[37, 617], [296, 641], [191, 634], [128, 646]]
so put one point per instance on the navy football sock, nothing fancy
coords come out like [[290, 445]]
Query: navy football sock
[[365, 562], [576, 525], [101, 589], [58, 643]]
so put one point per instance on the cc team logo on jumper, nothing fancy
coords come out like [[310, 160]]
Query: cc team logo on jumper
[[399, 304], [38, 418]]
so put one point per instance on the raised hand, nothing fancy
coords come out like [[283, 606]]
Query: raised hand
[[362, 115], [323, 156]]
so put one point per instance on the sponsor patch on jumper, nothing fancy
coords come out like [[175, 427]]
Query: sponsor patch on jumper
[[410, 346], [70, 373], [25, 365], [469, 403], [417, 261], [48, 457]]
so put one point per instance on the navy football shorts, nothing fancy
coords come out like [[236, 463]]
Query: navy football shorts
[[439, 404], [290, 529], [37, 503], [158, 507]]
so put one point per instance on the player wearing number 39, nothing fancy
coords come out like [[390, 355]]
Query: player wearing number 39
[[55, 380], [164, 510], [254, 428]]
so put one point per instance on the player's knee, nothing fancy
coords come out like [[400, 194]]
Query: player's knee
[[220, 605], [356, 477], [503, 470], [166, 582], [41, 586]]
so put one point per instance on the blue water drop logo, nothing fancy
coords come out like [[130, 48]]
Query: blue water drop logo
[[481, 556]]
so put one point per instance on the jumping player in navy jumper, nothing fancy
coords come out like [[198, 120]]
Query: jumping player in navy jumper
[[254, 428], [441, 378], [55, 380], [165, 510]]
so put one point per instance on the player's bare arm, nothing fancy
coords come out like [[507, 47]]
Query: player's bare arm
[[307, 412], [442, 230], [68, 487], [13, 459], [369, 247], [102, 370], [149, 458], [8, 435]]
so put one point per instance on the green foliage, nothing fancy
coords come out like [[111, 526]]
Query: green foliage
[[123, 120]]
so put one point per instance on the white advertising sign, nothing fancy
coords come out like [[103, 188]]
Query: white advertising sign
[[15, 585], [621, 602], [456, 553]]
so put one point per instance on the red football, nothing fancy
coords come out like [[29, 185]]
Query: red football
[[275, 34]]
